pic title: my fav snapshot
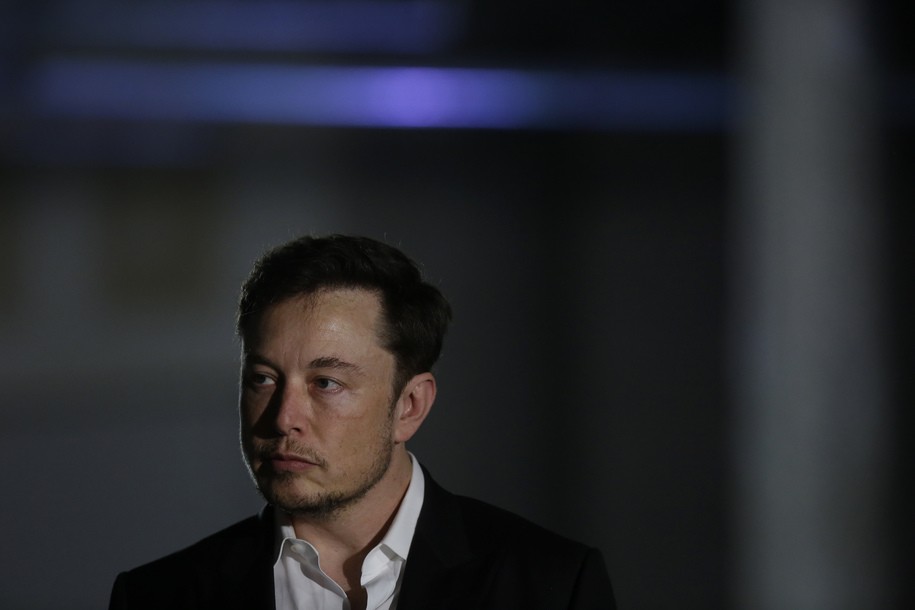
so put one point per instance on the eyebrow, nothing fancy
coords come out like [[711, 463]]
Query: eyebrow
[[250, 358], [331, 362], [323, 362]]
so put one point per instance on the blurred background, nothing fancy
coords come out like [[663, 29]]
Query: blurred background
[[677, 237]]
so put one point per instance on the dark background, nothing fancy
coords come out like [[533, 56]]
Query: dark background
[[587, 251]]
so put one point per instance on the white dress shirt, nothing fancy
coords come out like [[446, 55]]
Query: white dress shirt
[[299, 583]]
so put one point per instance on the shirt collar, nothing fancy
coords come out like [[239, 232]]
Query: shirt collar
[[400, 534]]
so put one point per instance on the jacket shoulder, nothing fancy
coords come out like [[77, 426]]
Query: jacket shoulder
[[196, 576], [468, 553], [214, 545], [489, 525]]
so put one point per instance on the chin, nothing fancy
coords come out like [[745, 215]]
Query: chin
[[310, 505]]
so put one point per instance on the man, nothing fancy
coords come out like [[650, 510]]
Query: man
[[339, 335]]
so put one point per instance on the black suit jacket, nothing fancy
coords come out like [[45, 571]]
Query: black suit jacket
[[465, 555]]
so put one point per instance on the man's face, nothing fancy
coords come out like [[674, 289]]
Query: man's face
[[316, 401]]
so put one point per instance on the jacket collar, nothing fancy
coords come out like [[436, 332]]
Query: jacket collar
[[441, 560], [246, 569]]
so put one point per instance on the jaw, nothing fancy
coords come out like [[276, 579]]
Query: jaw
[[319, 494]]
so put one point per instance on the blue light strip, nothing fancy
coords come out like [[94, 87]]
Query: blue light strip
[[395, 97]]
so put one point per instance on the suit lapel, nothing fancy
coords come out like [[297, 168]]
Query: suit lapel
[[441, 562], [246, 569]]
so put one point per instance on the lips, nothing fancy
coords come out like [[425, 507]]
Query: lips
[[291, 457], [290, 462]]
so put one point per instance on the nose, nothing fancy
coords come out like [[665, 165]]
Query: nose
[[291, 409]]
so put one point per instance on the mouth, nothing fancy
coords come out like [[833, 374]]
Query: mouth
[[290, 462]]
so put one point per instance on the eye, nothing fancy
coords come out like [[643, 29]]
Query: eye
[[259, 380], [326, 384]]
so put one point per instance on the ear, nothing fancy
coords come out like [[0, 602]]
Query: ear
[[413, 406]]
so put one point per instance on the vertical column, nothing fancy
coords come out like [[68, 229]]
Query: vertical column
[[810, 397]]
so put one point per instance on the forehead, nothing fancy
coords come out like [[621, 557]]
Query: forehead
[[350, 315]]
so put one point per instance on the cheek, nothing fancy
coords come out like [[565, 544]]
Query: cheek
[[247, 423], [244, 423], [354, 437], [251, 406], [244, 427]]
